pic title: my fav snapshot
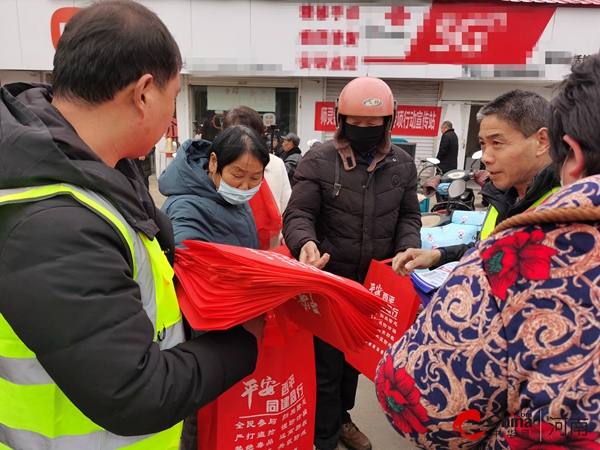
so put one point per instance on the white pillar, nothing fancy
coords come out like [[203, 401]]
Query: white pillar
[[311, 90], [183, 127]]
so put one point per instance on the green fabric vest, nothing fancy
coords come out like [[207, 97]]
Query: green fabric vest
[[34, 412], [492, 215]]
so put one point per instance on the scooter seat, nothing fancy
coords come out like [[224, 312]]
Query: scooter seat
[[450, 234], [429, 220]]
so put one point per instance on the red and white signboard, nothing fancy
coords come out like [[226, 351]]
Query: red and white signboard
[[335, 37], [410, 120], [58, 21]]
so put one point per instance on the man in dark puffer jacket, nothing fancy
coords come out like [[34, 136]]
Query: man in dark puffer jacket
[[354, 200]]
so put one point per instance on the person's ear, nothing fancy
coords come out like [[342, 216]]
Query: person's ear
[[576, 166], [143, 94], [543, 142], [212, 163]]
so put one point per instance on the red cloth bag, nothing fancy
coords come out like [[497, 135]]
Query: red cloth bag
[[272, 408], [403, 303], [266, 215]]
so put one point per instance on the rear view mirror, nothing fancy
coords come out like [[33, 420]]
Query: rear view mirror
[[457, 188]]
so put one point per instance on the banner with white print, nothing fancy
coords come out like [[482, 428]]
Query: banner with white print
[[274, 408], [410, 120]]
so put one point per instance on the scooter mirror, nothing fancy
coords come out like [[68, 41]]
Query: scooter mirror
[[433, 160], [457, 188], [477, 155]]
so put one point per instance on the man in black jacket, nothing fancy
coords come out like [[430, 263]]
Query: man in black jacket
[[292, 154], [514, 139], [91, 339], [448, 151]]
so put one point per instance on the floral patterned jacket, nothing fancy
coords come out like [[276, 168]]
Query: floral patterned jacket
[[507, 354]]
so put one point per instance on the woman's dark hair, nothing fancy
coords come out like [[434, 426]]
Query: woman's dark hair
[[576, 111], [109, 45], [235, 141], [244, 115]]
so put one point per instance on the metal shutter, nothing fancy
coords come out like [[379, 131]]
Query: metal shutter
[[406, 93]]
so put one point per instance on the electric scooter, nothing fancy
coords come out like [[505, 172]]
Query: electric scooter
[[453, 186]]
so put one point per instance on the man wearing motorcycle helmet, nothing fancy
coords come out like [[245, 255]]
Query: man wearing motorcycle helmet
[[354, 200]]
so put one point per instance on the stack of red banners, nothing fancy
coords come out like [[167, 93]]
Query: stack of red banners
[[222, 286]]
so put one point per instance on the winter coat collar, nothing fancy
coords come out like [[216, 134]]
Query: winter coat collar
[[293, 151], [347, 154], [49, 151], [504, 201], [187, 174]]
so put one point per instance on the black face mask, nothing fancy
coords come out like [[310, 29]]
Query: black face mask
[[363, 139]]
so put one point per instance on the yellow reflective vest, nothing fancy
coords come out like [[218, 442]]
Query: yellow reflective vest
[[492, 215], [34, 412]]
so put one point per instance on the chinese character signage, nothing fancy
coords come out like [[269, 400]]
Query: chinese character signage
[[324, 116], [222, 98], [334, 37], [417, 120], [410, 120], [272, 409], [398, 316]]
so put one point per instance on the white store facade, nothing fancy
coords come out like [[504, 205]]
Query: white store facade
[[283, 57]]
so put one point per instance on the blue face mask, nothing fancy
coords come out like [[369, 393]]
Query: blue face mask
[[236, 196]]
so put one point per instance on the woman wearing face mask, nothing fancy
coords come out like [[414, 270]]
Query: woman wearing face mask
[[208, 187]]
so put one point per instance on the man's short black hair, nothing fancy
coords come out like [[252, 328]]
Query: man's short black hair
[[575, 111], [109, 45], [526, 111], [235, 141]]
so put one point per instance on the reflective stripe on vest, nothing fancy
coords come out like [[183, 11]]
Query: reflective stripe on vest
[[34, 413], [492, 215]]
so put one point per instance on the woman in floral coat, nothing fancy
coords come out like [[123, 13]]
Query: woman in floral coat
[[507, 355]]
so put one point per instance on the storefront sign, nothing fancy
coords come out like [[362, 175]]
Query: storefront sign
[[58, 21], [324, 116], [410, 120], [417, 120], [221, 98], [269, 119], [343, 38]]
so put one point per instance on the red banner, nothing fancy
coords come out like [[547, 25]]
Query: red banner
[[324, 116], [410, 120]]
